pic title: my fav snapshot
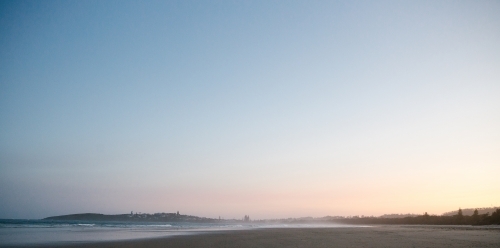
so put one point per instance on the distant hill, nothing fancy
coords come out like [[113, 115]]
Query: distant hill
[[158, 217], [89, 217], [470, 211]]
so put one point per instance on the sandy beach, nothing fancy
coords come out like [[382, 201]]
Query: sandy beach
[[377, 236]]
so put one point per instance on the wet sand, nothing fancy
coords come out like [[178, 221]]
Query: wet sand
[[377, 236]]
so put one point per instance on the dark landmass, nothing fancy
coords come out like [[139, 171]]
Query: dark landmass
[[425, 219], [157, 217], [470, 211]]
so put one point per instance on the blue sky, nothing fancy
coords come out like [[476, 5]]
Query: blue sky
[[266, 108]]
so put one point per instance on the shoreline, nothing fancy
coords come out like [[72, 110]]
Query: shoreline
[[375, 236]]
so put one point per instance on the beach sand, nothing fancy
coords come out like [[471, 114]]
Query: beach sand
[[377, 236]]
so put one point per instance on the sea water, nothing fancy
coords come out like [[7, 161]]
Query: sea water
[[31, 232]]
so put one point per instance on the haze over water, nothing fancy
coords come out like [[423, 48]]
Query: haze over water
[[272, 109]]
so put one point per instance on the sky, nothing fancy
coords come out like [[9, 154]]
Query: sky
[[272, 109]]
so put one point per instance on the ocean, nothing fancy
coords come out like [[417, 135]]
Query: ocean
[[33, 232]]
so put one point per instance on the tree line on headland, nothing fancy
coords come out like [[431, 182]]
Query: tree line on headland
[[426, 219]]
